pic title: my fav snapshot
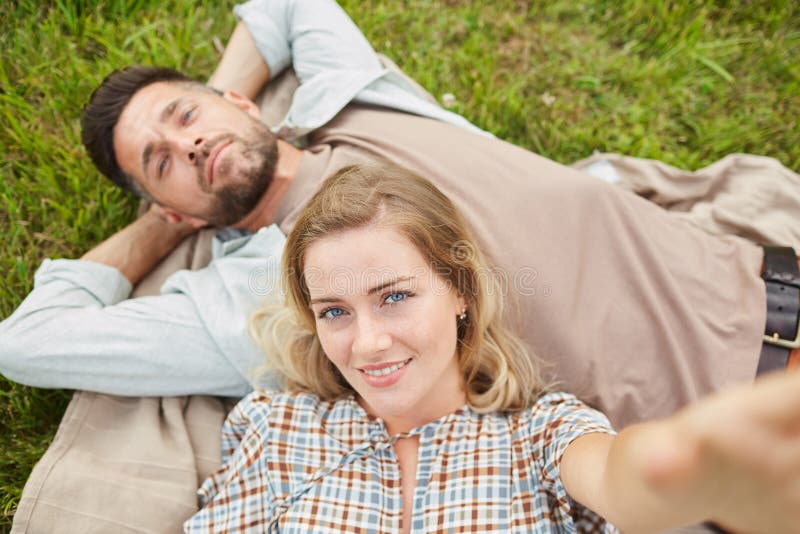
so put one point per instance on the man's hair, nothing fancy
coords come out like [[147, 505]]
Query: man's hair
[[498, 370], [101, 113]]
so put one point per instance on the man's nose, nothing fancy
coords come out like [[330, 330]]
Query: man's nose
[[191, 147], [371, 336]]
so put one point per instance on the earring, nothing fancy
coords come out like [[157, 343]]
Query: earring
[[463, 315]]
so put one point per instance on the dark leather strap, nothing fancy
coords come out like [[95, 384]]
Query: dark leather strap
[[772, 358], [782, 280], [780, 265]]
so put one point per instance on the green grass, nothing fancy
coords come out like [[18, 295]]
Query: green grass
[[675, 81]]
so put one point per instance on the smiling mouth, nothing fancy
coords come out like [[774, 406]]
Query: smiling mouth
[[386, 370]]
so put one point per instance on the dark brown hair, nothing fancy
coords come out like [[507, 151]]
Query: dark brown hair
[[101, 113]]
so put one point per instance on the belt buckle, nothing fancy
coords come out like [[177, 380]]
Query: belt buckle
[[775, 339], [778, 271]]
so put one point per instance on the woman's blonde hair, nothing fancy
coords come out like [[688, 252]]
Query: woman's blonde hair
[[497, 369]]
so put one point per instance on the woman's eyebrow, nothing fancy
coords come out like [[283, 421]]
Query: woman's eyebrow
[[371, 291], [384, 285]]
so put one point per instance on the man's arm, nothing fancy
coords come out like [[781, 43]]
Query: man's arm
[[241, 69], [77, 329], [136, 249], [313, 36]]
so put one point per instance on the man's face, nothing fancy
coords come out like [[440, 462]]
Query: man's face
[[196, 153]]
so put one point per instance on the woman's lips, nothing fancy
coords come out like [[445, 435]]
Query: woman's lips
[[384, 375]]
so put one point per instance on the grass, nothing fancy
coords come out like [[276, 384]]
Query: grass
[[677, 81]]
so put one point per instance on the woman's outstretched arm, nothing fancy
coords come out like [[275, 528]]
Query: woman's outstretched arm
[[733, 458]]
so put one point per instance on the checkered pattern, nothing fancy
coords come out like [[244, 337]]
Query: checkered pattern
[[295, 464]]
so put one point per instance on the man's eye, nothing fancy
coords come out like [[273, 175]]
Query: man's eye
[[161, 166], [394, 298], [331, 313], [186, 116]]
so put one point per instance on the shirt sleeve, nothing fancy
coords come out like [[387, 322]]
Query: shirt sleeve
[[237, 487], [78, 330], [557, 420], [313, 36], [333, 61]]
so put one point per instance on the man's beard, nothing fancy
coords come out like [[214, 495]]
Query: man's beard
[[236, 200]]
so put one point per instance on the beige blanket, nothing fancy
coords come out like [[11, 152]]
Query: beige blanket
[[750, 196], [133, 464]]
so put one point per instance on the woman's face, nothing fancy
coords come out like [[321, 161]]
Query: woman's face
[[388, 323]]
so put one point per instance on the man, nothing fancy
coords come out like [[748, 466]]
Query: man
[[629, 308]]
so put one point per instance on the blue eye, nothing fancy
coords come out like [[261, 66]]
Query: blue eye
[[162, 166], [187, 116], [394, 298], [331, 313]]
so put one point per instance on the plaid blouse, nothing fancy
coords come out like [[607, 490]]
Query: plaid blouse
[[292, 463]]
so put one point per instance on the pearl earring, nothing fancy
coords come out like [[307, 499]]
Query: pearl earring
[[463, 315]]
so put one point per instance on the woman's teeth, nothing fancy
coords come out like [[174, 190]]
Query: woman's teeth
[[386, 370]]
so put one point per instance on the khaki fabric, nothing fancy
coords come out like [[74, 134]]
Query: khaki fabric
[[123, 465], [754, 197]]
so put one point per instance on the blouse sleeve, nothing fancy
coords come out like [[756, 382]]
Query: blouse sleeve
[[242, 446], [556, 420]]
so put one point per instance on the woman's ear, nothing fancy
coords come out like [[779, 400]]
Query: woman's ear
[[461, 305], [242, 102]]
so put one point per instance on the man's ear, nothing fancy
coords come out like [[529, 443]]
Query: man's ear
[[175, 217], [242, 102]]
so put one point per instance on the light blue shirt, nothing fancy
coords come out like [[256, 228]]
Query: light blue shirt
[[77, 329], [333, 62]]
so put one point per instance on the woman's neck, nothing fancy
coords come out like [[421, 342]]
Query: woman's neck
[[401, 424]]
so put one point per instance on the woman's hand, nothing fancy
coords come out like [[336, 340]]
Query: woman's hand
[[733, 458], [738, 452]]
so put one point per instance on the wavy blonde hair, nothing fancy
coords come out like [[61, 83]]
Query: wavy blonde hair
[[498, 371]]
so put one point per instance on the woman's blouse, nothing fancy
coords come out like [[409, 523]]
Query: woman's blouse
[[292, 463]]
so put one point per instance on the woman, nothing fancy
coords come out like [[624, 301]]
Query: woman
[[410, 407]]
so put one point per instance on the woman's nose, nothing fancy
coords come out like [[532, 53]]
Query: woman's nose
[[371, 337]]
